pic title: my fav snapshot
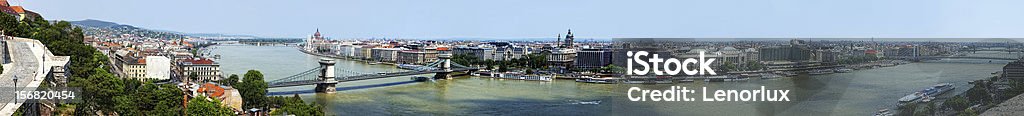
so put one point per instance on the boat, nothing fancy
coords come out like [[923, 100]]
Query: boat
[[375, 63], [751, 75], [888, 65], [524, 77], [724, 78], [820, 72], [599, 80], [648, 82], [787, 74], [926, 93], [685, 81], [883, 112], [591, 102], [769, 76], [843, 70], [420, 78], [410, 66]]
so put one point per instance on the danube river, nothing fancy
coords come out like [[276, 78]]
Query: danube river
[[860, 92]]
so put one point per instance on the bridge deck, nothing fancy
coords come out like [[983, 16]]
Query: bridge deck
[[359, 77]]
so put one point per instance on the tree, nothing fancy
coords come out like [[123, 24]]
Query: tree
[[253, 89], [99, 89], [968, 112], [928, 109], [978, 94], [536, 61], [728, 66], [613, 69], [465, 59], [908, 110], [230, 81], [754, 65], [295, 106], [1016, 88], [957, 103], [168, 101], [502, 67], [200, 106], [102, 92]]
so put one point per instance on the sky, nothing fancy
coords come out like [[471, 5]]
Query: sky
[[548, 18]]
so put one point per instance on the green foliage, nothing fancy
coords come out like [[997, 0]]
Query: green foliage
[[978, 94], [99, 88], [149, 98], [12, 27], [858, 59], [230, 81], [957, 103], [200, 106], [928, 110], [728, 66], [754, 65], [530, 61], [908, 110], [1016, 88], [465, 59], [968, 112], [253, 90], [294, 106], [102, 91], [612, 69]]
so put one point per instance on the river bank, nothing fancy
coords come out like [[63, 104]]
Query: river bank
[[860, 92]]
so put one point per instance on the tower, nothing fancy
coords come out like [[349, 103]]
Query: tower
[[445, 66], [568, 39], [558, 43], [326, 82]]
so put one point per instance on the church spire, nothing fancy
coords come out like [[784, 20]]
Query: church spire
[[558, 42], [317, 34]]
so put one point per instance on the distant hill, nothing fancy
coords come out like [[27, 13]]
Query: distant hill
[[102, 24], [114, 29]]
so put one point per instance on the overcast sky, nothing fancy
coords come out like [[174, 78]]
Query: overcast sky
[[547, 18]]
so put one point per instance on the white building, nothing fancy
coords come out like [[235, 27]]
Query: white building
[[346, 50], [158, 67], [385, 54]]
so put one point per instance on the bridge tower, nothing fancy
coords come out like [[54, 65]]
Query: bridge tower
[[445, 66], [326, 82]]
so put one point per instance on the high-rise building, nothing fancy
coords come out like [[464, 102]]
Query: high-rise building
[[796, 51], [593, 58], [1014, 70]]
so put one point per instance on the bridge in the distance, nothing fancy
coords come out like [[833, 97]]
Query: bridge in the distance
[[326, 76], [918, 58]]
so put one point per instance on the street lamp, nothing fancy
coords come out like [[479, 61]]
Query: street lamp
[[15, 88]]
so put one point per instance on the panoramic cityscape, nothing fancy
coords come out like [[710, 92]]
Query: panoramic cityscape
[[86, 66]]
